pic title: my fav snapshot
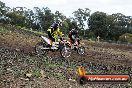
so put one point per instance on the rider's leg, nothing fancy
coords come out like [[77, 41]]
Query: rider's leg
[[53, 44], [50, 37], [53, 41], [72, 42], [77, 43]]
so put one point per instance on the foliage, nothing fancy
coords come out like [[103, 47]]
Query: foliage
[[3, 30], [108, 27], [16, 19], [120, 24], [97, 24], [82, 16], [127, 37], [91, 36]]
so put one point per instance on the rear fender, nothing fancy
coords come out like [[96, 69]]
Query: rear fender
[[46, 39]]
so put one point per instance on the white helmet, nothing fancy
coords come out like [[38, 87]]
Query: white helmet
[[59, 21]]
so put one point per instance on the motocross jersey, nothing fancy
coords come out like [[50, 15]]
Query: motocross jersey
[[54, 31], [73, 33]]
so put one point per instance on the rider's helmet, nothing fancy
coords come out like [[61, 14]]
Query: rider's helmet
[[74, 25], [59, 22], [56, 25], [77, 30]]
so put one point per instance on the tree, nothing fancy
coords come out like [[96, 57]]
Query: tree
[[16, 19], [3, 11], [97, 24], [119, 26], [2, 6], [48, 18], [82, 16], [59, 15], [43, 17]]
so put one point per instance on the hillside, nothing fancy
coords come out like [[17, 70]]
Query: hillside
[[18, 38], [18, 59]]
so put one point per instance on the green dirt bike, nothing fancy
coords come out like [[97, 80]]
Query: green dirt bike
[[42, 48]]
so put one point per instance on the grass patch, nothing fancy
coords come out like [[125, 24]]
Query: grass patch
[[36, 72], [29, 31], [3, 30]]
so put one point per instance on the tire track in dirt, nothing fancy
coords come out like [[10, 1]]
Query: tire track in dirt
[[99, 55]]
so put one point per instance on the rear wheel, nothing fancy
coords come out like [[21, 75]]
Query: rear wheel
[[39, 48], [65, 51], [81, 50]]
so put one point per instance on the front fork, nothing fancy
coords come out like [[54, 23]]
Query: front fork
[[74, 46]]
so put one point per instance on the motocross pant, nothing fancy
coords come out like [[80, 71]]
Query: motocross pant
[[51, 38], [73, 39]]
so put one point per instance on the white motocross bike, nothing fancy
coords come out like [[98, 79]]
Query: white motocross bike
[[43, 47]]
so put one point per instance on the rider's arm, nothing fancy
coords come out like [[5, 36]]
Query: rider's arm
[[59, 32]]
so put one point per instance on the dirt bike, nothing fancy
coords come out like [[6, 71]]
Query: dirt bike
[[79, 47], [42, 48]]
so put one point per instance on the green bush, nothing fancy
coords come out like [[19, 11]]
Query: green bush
[[127, 37], [3, 30]]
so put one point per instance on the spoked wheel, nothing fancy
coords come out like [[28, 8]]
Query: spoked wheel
[[65, 51], [81, 50], [39, 48]]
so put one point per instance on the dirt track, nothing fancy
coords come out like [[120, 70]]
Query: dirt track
[[104, 53], [14, 65], [99, 57], [19, 57], [108, 54]]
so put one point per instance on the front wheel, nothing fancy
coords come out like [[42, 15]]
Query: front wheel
[[65, 51], [39, 48], [81, 50]]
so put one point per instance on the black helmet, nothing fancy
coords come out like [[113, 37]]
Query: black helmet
[[55, 25], [74, 30]]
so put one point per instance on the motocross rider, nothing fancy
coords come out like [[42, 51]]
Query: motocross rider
[[73, 35], [54, 31]]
